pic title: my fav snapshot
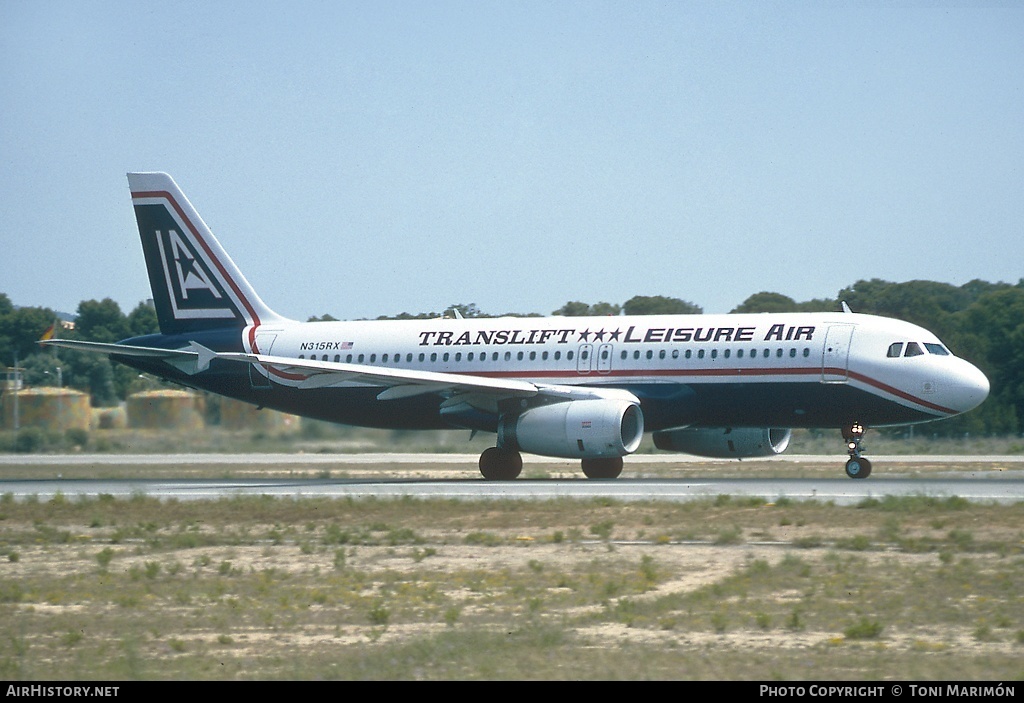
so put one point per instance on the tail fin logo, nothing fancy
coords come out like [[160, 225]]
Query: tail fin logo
[[194, 292], [189, 276], [190, 291]]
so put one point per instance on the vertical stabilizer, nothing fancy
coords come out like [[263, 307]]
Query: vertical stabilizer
[[196, 286]]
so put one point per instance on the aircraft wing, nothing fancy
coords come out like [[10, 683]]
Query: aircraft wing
[[404, 383], [401, 383]]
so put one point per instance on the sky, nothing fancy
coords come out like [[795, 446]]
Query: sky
[[368, 158]]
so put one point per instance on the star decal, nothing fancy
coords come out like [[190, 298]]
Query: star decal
[[584, 336], [614, 336], [187, 265], [599, 335]]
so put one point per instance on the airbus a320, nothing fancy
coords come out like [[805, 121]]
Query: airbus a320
[[723, 386]]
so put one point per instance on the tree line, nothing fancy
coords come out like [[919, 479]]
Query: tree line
[[979, 321]]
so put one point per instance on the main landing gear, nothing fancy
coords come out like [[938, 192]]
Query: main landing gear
[[500, 464], [856, 466]]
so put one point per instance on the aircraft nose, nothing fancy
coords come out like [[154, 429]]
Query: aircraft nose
[[972, 387]]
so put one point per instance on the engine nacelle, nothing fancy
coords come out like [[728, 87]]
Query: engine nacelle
[[725, 442], [575, 429]]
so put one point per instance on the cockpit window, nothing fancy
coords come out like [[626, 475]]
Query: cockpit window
[[936, 349], [895, 349], [913, 349]]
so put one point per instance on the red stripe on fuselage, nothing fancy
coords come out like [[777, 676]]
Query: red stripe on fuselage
[[723, 373]]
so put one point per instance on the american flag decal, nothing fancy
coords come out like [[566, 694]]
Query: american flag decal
[[586, 424], [346, 345]]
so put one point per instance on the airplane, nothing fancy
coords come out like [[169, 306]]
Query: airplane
[[587, 388]]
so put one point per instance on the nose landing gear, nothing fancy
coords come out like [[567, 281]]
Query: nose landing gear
[[856, 466]]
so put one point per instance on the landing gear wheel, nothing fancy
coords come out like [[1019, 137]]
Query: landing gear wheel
[[858, 468], [602, 468], [498, 464]]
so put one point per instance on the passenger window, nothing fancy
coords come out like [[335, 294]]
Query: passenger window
[[913, 349], [624, 354], [895, 349], [792, 353], [433, 356], [661, 354]]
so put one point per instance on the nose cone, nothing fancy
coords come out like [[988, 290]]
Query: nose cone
[[970, 388]]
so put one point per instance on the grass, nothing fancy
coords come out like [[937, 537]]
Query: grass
[[256, 587]]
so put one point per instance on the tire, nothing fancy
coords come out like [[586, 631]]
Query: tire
[[858, 468], [500, 464], [602, 468]]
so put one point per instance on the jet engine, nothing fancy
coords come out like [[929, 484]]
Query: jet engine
[[591, 428], [725, 442]]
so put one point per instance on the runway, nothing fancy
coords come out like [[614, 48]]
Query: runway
[[1005, 485]]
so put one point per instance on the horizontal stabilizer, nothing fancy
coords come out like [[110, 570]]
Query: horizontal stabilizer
[[190, 361]]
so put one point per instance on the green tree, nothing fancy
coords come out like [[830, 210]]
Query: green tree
[[142, 321], [767, 302], [465, 309], [659, 305], [101, 321], [992, 328], [20, 330], [575, 308]]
